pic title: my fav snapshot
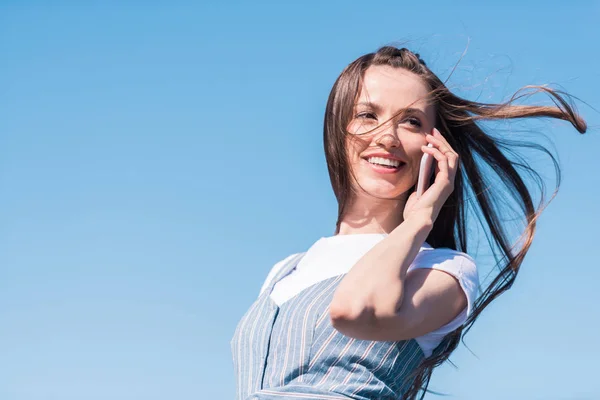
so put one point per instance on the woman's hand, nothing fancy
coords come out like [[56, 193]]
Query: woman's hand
[[428, 206]]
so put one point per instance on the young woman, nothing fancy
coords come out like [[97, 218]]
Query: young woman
[[369, 312]]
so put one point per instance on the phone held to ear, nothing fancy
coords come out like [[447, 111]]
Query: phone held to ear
[[425, 172]]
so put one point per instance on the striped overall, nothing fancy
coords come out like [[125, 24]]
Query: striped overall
[[293, 351]]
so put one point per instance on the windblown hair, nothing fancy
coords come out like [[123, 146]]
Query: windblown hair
[[458, 121]]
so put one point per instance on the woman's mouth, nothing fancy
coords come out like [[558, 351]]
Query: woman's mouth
[[384, 165]]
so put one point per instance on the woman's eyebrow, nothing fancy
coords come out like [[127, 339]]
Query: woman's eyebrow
[[411, 110], [369, 104], [377, 108]]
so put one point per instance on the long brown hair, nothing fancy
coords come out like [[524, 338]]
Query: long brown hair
[[457, 120]]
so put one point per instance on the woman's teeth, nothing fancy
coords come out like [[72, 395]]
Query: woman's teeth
[[384, 161]]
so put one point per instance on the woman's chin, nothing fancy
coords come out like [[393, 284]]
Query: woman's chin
[[383, 191]]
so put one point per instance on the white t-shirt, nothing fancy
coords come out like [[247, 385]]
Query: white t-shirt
[[335, 255]]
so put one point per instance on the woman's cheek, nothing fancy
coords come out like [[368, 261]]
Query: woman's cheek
[[414, 169]]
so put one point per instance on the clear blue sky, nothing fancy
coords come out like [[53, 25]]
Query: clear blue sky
[[157, 159]]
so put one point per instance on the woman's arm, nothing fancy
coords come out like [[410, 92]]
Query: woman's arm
[[379, 300], [374, 287]]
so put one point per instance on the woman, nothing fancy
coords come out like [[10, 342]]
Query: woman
[[369, 312]]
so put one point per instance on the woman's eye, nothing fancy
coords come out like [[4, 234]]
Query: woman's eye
[[413, 121], [366, 115]]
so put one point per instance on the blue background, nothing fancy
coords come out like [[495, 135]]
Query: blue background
[[156, 159]]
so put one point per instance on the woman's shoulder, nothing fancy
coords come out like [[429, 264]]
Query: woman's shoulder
[[276, 269], [456, 263], [435, 255]]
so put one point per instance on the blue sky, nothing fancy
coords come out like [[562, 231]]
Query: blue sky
[[157, 159]]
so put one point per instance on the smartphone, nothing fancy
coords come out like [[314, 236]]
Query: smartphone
[[425, 173]]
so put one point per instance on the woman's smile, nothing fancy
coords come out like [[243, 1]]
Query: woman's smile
[[383, 164]]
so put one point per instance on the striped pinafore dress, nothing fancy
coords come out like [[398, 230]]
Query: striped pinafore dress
[[293, 352]]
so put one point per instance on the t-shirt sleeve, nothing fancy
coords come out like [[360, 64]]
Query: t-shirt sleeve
[[271, 275], [463, 268]]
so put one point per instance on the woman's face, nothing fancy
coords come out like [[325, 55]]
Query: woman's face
[[388, 128]]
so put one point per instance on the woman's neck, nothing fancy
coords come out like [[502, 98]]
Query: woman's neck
[[368, 215]]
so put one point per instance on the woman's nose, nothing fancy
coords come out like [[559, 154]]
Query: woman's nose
[[388, 137]]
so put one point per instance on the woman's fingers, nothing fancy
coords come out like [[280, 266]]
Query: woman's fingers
[[442, 144], [443, 175], [446, 157]]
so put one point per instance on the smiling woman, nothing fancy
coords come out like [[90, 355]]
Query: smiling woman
[[393, 108], [369, 312]]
